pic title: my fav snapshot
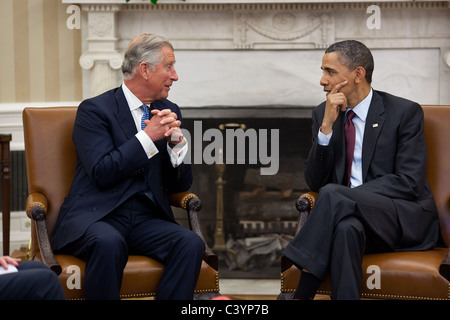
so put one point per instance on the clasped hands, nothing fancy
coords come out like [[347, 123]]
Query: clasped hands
[[164, 125]]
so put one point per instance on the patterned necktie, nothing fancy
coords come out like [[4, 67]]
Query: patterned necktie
[[349, 145], [145, 116]]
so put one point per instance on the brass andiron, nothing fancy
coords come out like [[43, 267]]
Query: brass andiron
[[219, 236]]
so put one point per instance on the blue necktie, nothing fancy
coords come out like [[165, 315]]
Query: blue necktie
[[145, 116]]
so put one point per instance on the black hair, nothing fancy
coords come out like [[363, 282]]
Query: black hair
[[353, 54]]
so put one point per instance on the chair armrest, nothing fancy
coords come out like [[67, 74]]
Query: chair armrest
[[304, 205], [34, 202], [181, 199], [444, 268], [192, 204], [36, 209]]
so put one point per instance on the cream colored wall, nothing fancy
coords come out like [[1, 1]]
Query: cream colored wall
[[38, 66], [39, 54]]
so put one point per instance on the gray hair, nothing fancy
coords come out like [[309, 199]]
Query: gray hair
[[144, 48], [354, 54]]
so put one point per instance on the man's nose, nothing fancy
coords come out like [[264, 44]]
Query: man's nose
[[323, 81], [174, 75]]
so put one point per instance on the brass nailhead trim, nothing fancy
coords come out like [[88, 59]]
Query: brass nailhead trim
[[311, 200], [371, 295], [148, 294], [186, 200]]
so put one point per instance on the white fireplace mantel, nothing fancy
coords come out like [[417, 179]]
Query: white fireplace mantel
[[259, 52]]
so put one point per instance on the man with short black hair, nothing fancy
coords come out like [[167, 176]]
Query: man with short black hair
[[368, 164]]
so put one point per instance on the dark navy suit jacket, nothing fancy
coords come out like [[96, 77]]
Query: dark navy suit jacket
[[111, 165], [394, 164]]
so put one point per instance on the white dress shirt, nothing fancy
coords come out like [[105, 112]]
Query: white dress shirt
[[177, 154], [359, 120]]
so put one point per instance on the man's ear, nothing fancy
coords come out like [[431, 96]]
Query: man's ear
[[360, 74], [144, 69]]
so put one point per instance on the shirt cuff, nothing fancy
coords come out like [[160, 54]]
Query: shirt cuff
[[177, 153], [147, 143], [323, 139]]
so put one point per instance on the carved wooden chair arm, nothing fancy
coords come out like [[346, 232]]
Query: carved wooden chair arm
[[36, 209], [181, 199], [305, 203], [192, 204]]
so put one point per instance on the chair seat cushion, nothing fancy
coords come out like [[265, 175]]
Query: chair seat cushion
[[403, 275], [140, 279]]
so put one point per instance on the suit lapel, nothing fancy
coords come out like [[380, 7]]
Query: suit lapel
[[374, 124], [123, 114]]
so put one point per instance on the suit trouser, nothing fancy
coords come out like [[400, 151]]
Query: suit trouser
[[33, 281], [344, 224], [132, 230]]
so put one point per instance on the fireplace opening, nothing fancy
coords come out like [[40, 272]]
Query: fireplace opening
[[258, 214]]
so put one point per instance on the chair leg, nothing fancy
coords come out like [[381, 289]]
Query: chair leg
[[285, 296]]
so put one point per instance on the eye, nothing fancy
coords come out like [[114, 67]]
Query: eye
[[169, 67]]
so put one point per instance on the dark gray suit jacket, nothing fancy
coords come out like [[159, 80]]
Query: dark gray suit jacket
[[394, 164]]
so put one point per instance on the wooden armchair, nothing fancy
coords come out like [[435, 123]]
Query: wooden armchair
[[403, 275], [50, 160]]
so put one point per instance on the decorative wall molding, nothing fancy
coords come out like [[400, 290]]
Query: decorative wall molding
[[291, 29], [88, 59], [447, 58], [174, 5]]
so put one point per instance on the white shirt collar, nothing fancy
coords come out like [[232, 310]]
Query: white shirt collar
[[132, 100], [362, 108]]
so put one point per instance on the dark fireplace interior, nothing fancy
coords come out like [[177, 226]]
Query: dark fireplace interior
[[259, 215]]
